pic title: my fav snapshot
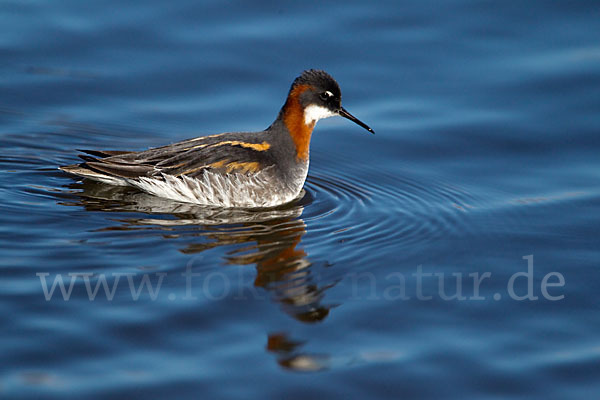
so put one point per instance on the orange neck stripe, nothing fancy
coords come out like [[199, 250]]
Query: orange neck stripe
[[293, 117]]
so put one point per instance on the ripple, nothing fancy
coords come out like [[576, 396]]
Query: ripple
[[381, 209]]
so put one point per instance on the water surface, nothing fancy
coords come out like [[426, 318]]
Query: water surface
[[485, 161]]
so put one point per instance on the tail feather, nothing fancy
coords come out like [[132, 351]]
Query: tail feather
[[87, 158], [84, 171], [127, 171], [106, 170], [104, 153]]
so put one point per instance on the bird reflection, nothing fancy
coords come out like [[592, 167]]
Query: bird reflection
[[289, 356], [271, 238]]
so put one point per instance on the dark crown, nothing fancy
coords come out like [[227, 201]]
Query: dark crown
[[320, 79]]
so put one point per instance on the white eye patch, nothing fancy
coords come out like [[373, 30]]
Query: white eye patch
[[326, 95], [313, 113]]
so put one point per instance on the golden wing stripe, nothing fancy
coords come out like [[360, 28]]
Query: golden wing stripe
[[264, 146]]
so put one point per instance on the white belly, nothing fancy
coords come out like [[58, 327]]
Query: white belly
[[263, 189]]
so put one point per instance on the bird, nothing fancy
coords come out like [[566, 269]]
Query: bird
[[233, 169]]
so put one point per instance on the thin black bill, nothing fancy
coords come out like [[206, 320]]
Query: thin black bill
[[352, 118]]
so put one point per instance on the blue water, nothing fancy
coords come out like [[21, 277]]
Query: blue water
[[485, 161]]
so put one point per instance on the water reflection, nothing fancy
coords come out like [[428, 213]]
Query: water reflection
[[271, 238], [289, 355], [268, 239]]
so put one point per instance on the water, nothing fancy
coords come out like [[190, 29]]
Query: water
[[486, 152]]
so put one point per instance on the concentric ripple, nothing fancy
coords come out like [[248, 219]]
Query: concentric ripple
[[384, 209]]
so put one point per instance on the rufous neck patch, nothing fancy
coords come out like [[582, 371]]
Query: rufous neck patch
[[293, 117]]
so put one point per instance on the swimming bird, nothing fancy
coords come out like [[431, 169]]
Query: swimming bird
[[233, 169]]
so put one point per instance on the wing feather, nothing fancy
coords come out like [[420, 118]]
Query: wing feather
[[226, 153]]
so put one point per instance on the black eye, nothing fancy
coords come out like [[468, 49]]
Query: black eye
[[325, 95]]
